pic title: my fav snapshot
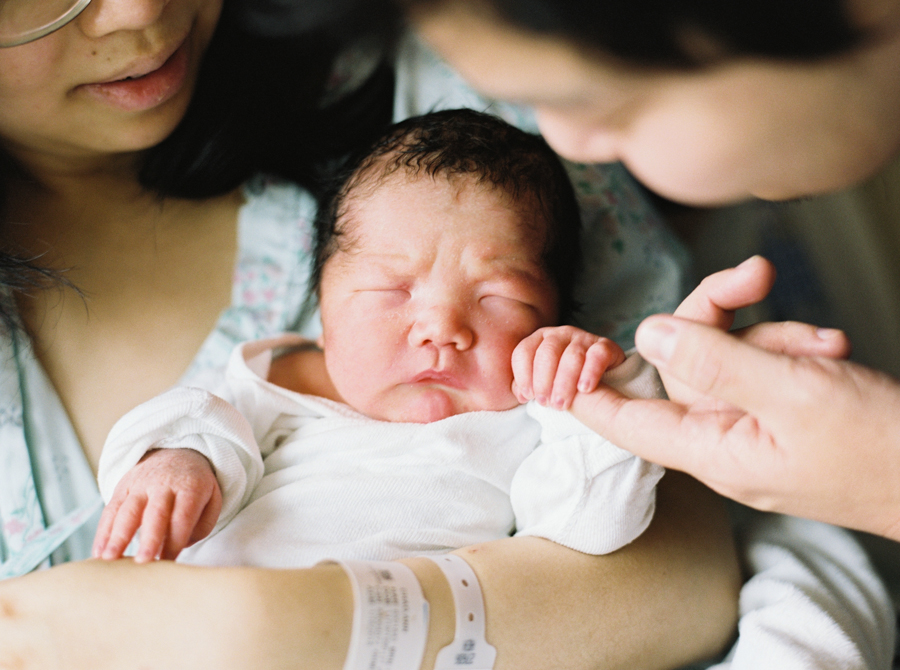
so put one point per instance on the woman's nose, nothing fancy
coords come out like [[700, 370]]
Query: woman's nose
[[103, 17], [441, 326]]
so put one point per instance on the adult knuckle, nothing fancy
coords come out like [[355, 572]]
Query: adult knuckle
[[816, 382]]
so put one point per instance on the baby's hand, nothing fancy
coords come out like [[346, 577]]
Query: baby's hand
[[553, 364], [172, 495]]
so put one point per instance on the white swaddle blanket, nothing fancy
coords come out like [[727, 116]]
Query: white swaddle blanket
[[304, 478]]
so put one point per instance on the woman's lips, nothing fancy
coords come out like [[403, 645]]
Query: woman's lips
[[147, 91]]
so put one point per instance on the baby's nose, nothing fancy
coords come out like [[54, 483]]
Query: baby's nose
[[442, 326]]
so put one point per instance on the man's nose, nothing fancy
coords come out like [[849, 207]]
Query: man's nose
[[578, 140]]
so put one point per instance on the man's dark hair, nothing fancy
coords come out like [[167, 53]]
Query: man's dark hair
[[282, 18], [463, 142], [664, 32]]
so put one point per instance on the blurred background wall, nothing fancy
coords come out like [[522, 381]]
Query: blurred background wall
[[838, 259]]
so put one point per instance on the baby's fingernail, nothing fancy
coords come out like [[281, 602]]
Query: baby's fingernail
[[656, 340]]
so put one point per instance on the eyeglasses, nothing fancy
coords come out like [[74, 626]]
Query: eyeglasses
[[24, 21]]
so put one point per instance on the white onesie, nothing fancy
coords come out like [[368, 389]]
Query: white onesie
[[304, 478]]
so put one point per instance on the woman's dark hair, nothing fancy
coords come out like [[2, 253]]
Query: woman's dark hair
[[664, 32], [463, 142], [257, 108]]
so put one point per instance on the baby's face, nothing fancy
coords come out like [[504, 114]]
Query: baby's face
[[435, 284]]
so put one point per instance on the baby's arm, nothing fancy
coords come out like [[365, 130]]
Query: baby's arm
[[172, 495], [553, 364], [186, 458], [576, 488], [579, 490]]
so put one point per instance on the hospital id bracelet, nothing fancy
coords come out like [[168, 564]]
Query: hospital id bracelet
[[469, 648], [390, 616]]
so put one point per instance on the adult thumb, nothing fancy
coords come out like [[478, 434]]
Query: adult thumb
[[712, 362]]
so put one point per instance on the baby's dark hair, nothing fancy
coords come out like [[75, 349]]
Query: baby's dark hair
[[466, 143]]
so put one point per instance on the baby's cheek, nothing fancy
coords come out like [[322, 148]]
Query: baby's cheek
[[502, 400], [495, 367], [498, 394]]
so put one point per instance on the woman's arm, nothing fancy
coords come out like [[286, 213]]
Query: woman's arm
[[666, 599]]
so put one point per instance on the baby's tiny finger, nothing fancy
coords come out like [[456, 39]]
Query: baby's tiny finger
[[600, 357], [125, 525], [567, 375], [104, 528], [155, 527], [186, 513], [546, 364], [522, 367], [207, 521]]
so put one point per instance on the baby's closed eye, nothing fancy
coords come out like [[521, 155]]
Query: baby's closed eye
[[385, 295], [506, 302]]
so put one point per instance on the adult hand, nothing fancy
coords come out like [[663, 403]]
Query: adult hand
[[766, 416]]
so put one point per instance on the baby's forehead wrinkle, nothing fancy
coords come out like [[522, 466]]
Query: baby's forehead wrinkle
[[478, 264]]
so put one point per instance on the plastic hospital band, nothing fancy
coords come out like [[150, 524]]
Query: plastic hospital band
[[469, 648], [390, 616]]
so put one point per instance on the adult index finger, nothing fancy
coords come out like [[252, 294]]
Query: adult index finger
[[713, 302], [796, 339], [655, 430]]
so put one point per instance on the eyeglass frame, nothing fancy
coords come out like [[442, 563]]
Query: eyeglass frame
[[42, 31]]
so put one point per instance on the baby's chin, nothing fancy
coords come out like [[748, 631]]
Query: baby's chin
[[436, 403]]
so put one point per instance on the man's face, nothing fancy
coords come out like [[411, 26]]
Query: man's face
[[749, 127]]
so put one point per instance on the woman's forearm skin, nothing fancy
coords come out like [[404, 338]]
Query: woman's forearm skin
[[668, 598]]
